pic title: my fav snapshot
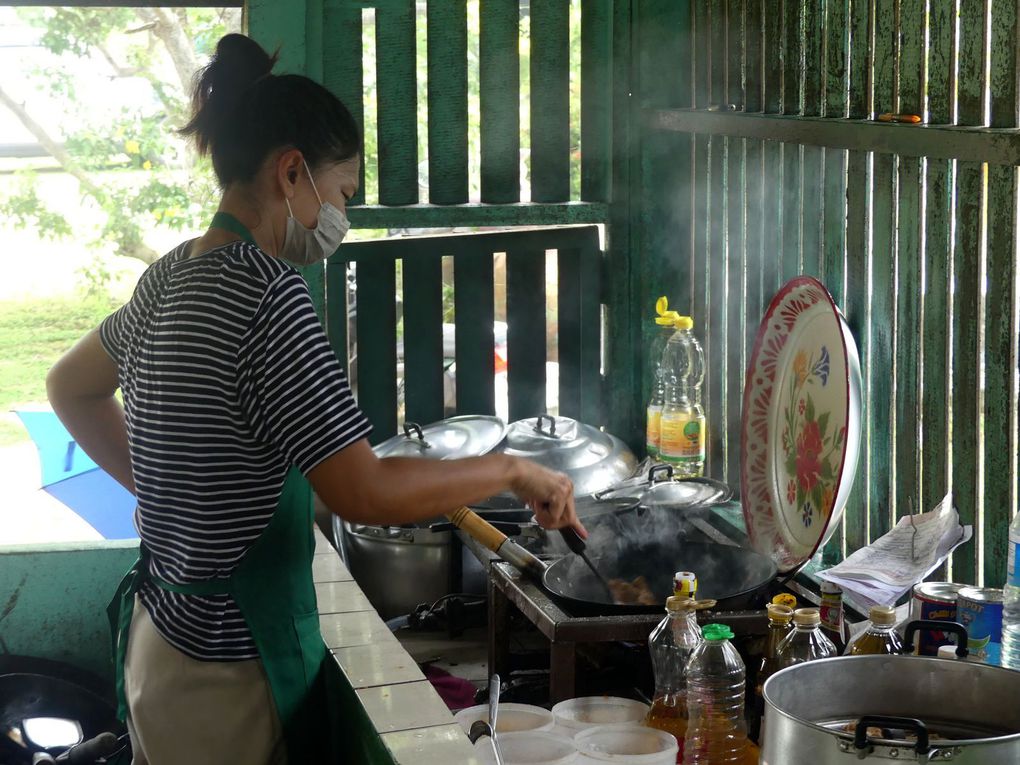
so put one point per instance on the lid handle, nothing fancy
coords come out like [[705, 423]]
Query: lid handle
[[414, 427], [552, 425], [656, 470]]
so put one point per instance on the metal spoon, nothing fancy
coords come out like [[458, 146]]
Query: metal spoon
[[493, 712]]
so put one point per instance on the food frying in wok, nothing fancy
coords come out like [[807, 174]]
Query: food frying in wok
[[636, 592]]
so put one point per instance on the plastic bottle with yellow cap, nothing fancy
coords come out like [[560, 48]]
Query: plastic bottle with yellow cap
[[665, 322], [683, 428]]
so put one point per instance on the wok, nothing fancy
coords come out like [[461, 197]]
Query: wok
[[735, 577]]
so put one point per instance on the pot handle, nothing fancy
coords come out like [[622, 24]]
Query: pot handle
[[922, 625], [656, 469], [862, 743]]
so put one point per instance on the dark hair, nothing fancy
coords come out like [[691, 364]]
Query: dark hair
[[242, 111]]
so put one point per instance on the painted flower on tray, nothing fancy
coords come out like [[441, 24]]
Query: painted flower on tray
[[809, 448], [828, 495], [807, 514], [791, 491], [800, 366]]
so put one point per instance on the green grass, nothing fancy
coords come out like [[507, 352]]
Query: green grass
[[33, 335]]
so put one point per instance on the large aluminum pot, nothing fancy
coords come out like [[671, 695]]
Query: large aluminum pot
[[969, 712]]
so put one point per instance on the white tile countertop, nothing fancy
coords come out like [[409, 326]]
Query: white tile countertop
[[411, 719]]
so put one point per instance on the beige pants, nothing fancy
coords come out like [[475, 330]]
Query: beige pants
[[181, 710]]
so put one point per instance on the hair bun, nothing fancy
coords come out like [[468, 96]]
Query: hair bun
[[239, 62]]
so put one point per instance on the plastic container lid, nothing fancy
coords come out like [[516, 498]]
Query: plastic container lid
[[883, 616], [588, 711], [947, 652], [807, 617], [780, 613], [529, 748], [717, 632], [785, 599], [512, 718], [684, 322], [633, 745]]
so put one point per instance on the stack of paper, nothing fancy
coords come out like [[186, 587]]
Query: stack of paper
[[882, 572]]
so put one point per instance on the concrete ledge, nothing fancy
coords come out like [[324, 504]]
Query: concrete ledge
[[409, 717]]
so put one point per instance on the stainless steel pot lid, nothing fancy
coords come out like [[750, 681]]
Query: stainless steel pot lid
[[659, 489], [469, 435], [594, 460]]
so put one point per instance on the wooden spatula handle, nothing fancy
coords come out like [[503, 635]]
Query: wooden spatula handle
[[484, 532]]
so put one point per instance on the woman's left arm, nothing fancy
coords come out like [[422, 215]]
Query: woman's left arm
[[81, 388]]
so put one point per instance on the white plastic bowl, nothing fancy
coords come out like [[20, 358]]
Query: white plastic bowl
[[626, 745], [578, 714], [529, 748], [512, 718]]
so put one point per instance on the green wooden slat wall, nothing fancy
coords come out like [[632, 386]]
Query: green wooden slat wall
[[578, 327], [919, 252]]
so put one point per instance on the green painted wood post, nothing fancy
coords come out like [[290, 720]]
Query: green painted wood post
[[550, 102], [447, 101], [342, 72], [499, 89], [1001, 332], [858, 315], [474, 312], [397, 109], [526, 341], [423, 333], [596, 99]]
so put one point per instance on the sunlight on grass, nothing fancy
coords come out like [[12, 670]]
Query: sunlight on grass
[[33, 335]]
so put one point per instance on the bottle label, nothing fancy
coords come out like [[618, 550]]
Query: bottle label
[[653, 422], [1013, 574], [831, 611], [671, 436], [693, 443]]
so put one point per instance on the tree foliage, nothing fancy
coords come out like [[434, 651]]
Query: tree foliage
[[156, 178]]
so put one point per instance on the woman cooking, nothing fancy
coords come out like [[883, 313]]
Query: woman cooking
[[235, 409]]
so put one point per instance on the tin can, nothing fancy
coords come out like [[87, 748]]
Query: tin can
[[934, 600], [979, 609], [685, 584]]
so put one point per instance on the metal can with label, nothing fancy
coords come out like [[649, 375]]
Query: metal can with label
[[979, 609], [934, 600], [685, 584]]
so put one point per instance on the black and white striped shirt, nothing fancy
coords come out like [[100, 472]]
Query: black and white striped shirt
[[227, 380]]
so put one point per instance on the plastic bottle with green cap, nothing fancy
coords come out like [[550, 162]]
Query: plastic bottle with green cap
[[716, 731], [665, 322], [682, 430]]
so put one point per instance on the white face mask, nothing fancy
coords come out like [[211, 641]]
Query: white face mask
[[304, 246]]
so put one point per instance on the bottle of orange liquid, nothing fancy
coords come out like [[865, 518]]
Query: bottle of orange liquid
[[671, 645]]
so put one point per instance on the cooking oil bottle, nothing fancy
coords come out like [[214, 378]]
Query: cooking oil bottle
[[780, 624], [671, 645], [716, 732], [665, 323], [806, 642], [881, 636], [682, 428]]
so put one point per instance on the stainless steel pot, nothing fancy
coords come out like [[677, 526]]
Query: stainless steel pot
[[955, 711], [398, 567]]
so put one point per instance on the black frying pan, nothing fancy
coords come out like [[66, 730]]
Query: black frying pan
[[735, 577]]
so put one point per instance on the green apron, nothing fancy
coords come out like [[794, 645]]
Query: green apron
[[273, 588]]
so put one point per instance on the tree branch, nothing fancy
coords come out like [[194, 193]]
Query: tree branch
[[72, 168], [172, 35], [118, 70]]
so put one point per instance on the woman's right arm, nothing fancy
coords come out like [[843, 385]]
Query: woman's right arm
[[360, 487]]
